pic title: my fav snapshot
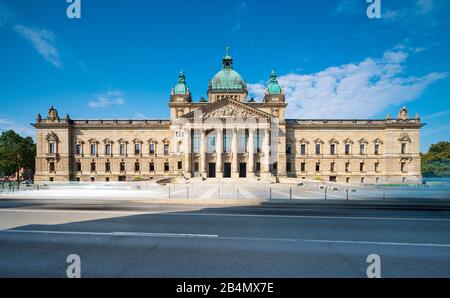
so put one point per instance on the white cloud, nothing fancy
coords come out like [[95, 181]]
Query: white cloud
[[356, 90], [7, 123], [108, 99], [436, 115], [43, 42]]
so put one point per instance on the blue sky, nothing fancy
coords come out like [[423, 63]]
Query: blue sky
[[121, 58]]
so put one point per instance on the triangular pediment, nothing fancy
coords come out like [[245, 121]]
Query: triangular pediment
[[228, 108]]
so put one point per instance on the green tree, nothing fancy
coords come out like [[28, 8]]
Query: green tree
[[16, 153], [436, 163]]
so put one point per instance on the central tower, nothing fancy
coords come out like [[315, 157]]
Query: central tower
[[227, 83]]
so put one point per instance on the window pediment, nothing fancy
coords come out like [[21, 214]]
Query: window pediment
[[378, 141], [363, 141], [404, 137], [304, 141], [52, 137], [318, 141]]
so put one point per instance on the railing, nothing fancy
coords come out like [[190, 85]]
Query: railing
[[229, 190]]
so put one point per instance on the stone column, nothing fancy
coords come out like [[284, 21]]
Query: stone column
[[187, 153], [235, 151], [266, 151], [203, 154], [251, 153], [219, 153]]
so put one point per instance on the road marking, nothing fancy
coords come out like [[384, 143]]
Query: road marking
[[377, 243], [217, 237], [130, 234], [188, 213]]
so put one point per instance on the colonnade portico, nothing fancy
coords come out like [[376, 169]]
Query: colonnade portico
[[219, 157]]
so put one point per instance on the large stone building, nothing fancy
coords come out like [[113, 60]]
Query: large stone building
[[229, 136]]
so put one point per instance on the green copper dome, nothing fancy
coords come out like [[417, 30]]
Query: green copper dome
[[181, 88], [274, 87], [227, 78]]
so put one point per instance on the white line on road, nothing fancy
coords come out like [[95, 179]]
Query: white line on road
[[131, 234], [205, 236], [189, 213]]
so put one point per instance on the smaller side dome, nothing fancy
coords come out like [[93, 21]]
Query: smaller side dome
[[181, 87], [274, 87]]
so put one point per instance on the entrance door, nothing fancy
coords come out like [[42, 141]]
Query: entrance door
[[243, 170], [196, 167], [212, 170], [122, 178], [227, 170]]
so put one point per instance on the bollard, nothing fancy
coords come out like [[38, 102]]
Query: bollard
[[326, 188], [270, 193], [218, 193], [290, 193], [169, 192], [347, 194], [237, 189], [187, 193]]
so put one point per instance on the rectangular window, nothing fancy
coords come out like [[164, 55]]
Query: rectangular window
[[180, 165], [317, 149], [152, 167], [258, 141], [108, 150], [93, 167], [258, 167], [52, 148], [288, 149], [137, 149], [166, 149], [93, 149], [137, 167], [303, 149], [347, 149], [78, 150], [403, 148], [152, 149], [347, 167], [402, 167], [78, 166], [211, 143], [333, 149], [243, 139], [166, 167], [332, 167], [51, 167], [107, 167], [362, 149], [303, 167], [361, 167], [196, 140], [122, 167], [123, 149], [377, 166], [317, 167], [227, 142], [288, 167], [377, 149]]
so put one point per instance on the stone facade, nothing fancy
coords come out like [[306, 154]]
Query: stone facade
[[229, 136]]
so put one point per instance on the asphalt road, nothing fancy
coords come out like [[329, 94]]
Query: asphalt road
[[124, 239]]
